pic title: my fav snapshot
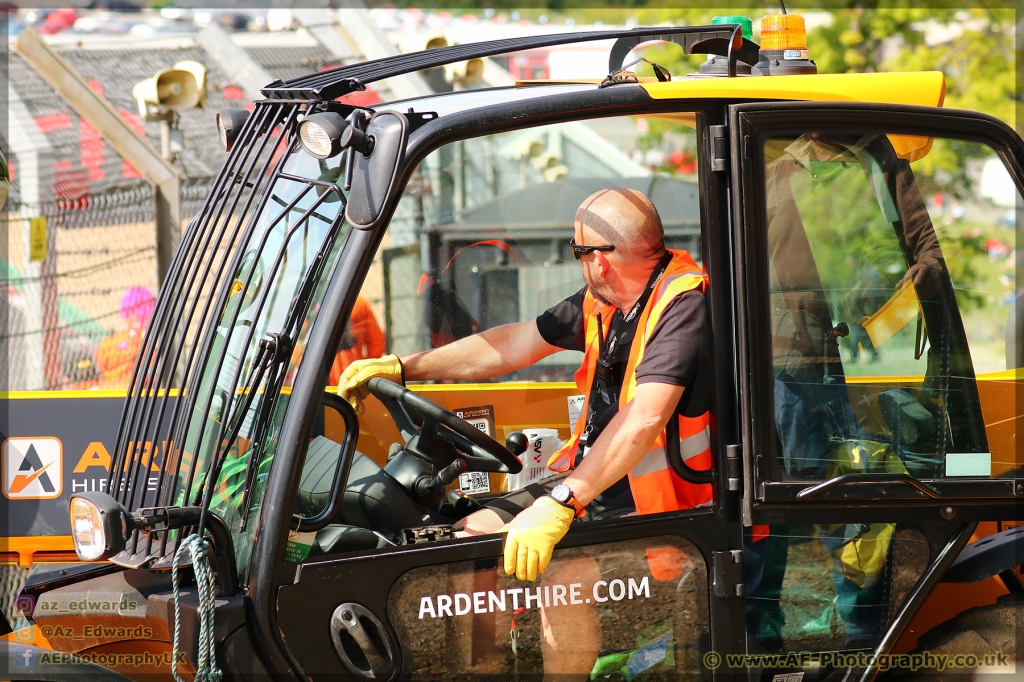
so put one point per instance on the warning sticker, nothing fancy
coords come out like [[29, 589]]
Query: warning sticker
[[475, 482], [298, 546], [575, 410], [481, 417]]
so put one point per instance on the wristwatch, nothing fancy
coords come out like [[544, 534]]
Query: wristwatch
[[563, 495]]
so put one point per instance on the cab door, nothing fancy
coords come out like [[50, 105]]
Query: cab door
[[877, 282], [480, 238]]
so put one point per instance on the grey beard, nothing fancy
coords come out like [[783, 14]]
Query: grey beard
[[599, 297]]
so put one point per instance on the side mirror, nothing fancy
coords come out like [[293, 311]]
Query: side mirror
[[375, 174], [325, 471]]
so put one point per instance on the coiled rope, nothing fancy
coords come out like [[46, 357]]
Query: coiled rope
[[206, 670]]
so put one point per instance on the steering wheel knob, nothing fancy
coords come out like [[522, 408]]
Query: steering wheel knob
[[517, 443]]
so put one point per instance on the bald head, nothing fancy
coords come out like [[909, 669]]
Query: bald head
[[625, 218]]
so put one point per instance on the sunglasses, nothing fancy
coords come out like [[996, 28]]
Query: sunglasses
[[581, 251]]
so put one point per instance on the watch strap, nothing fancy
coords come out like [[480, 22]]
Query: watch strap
[[572, 503]]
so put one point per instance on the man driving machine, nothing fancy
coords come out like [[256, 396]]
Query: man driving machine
[[641, 323]]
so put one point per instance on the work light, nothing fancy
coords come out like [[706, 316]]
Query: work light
[[784, 32], [99, 525], [229, 124], [320, 134], [783, 47]]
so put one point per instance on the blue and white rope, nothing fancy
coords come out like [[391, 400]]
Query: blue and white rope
[[207, 670]]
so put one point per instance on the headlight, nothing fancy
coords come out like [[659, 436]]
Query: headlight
[[99, 525], [229, 124], [320, 134]]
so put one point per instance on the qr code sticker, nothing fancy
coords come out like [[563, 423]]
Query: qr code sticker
[[475, 482]]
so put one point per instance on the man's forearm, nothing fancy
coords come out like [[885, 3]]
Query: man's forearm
[[624, 441], [481, 356]]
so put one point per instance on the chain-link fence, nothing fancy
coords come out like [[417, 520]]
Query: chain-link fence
[[80, 270], [12, 580]]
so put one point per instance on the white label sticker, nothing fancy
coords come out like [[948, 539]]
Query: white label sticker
[[968, 464], [575, 410], [475, 482], [479, 425]]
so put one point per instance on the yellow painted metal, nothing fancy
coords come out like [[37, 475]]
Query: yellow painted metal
[[896, 314], [50, 395], [922, 88], [26, 551]]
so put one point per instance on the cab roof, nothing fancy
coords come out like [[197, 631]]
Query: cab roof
[[724, 39], [920, 89]]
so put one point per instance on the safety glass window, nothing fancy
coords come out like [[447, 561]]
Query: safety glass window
[[277, 288], [606, 611], [869, 295], [827, 587]]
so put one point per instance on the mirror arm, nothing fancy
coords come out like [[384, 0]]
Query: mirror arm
[[348, 448]]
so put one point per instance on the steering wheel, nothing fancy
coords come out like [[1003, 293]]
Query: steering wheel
[[481, 452]]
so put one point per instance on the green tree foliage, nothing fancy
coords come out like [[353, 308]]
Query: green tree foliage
[[974, 49]]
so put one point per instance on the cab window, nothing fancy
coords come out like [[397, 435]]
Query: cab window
[[481, 238], [892, 306]]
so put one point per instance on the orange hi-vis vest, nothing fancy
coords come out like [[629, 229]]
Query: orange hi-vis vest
[[656, 487]]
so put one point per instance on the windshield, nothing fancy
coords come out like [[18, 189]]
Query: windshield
[[259, 342]]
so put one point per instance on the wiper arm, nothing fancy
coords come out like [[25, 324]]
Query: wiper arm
[[273, 350], [843, 479], [274, 382]]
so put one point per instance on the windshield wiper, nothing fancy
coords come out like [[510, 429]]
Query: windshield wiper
[[844, 479], [273, 350]]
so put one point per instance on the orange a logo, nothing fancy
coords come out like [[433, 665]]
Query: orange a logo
[[32, 468]]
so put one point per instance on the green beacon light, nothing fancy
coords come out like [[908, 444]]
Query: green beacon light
[[717, 64], [746, 23]]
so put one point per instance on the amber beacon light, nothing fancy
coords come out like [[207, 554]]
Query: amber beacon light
[[784, 46]]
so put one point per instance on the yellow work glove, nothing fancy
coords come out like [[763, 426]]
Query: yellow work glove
[[532, 537], [352, 385]]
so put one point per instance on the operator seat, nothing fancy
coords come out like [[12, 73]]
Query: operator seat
[[373, 501]]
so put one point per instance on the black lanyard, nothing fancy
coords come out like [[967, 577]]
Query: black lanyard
[[608, 372], [619, 332]]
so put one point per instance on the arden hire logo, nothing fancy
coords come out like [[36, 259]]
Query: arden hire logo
[[32, 468]]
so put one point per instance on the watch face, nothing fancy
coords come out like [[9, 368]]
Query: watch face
[[561, 493]]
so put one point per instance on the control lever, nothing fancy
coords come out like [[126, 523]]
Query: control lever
[[462, 503], [841, 329], [424, 484], [517, 443]]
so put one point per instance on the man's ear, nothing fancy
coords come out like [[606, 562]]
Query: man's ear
[[603, 264]]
